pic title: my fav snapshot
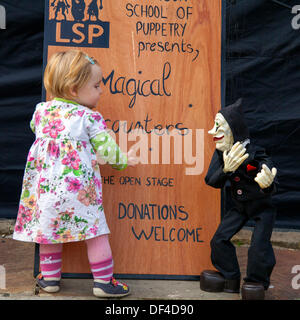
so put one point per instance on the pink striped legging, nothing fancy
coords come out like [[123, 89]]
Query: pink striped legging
[[98, 250]]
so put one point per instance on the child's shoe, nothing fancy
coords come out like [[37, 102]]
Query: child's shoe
[[50, 286], [110, 289]]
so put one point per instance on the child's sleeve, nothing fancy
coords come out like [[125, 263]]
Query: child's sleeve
[[103, 144], [32, 123], [35, 117], [32, 126]]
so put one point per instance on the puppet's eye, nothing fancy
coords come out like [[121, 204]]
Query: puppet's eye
[[217, 124]]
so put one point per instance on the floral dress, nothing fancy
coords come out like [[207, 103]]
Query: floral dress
[[61, 199]]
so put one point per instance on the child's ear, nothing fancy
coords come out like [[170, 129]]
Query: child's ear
[[73, 91]]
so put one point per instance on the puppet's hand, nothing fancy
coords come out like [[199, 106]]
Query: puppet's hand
[[234, 158], [265, 177]]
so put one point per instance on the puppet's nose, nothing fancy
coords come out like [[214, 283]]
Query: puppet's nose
[[212, 131]]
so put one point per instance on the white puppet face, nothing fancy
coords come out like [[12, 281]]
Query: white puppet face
[[222, 133]]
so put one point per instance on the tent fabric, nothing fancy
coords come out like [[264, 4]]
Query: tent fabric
[[262, 66], [261, 63], [21, 52]]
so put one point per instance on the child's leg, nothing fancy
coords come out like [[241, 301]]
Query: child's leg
[[101, 262], [50, 261], [100, 257]]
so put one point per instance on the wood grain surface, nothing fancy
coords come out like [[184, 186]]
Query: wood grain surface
[[175, 89]]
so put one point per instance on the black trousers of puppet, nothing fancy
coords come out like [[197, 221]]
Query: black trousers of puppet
[[261, 258]]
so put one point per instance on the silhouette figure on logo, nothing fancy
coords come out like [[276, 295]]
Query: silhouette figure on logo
[[62, 5], [78, 8], [93, 10]]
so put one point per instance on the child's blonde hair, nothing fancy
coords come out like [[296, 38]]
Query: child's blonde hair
[[67, 70]]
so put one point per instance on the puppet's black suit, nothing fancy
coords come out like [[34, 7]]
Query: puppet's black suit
[[249, 201]]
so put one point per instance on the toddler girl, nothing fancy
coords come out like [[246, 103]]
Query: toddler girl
[[61, 199]]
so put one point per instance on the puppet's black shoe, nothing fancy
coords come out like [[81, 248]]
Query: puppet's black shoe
[[232, 285], [212, 281], [253, 291]]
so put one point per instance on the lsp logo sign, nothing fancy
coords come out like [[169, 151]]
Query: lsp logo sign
[[2, 17], [77, 23]]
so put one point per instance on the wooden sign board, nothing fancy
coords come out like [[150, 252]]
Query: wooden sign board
[[161, 63]]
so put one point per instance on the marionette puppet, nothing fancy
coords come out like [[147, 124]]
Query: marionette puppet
[[244, 168]]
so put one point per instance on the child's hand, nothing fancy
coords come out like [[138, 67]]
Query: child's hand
[[131, 158]]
